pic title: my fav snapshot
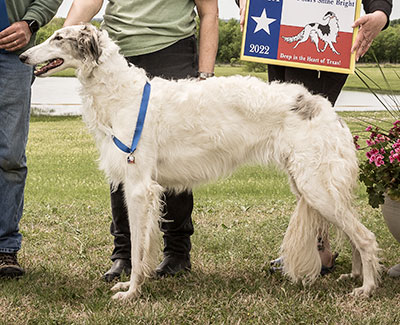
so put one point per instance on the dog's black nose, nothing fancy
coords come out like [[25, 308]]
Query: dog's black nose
[[23, 58]]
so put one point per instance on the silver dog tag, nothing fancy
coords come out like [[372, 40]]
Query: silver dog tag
[[131, 159]]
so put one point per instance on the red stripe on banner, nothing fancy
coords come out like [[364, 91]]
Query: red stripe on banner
[[306, 52]]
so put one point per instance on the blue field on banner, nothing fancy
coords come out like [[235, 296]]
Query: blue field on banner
[[263, 28]]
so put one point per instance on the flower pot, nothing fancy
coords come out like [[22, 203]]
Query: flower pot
[[391, 213]]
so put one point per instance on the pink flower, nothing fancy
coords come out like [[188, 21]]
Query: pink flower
[[394, 156], [375, 157], [381, 138], [355, 140], [370, 143], [371, 153], [379, 160], [369, 128]]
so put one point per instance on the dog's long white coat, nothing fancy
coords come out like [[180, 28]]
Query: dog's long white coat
[[198, 131]]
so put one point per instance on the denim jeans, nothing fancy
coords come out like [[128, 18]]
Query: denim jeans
[[15, 99]]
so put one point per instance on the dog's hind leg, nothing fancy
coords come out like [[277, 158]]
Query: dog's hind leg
[[139, 202], [315, 39], [356, 265], [365, 260], [333, 202], [365, 251], [305, 37]]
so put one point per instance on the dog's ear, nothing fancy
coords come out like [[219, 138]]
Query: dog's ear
[[88, 44]]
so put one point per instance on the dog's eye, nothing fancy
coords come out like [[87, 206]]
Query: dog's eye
[[58, 38]]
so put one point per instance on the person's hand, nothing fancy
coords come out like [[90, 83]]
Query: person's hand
[[370, 25], [242, 12], [15, 37]]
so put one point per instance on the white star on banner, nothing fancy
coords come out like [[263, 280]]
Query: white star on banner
[[263, 22]]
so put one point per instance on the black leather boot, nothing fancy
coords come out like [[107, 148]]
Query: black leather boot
[[120, 225], [177, 229], [121, 255], [173, 265], [119, 266]]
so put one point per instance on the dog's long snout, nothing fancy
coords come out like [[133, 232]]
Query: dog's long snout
[[23, 57]]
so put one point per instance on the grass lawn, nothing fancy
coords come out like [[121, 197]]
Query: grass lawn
[[353, 82], [239, 225]]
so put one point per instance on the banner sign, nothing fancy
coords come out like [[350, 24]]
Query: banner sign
[[310, 34]]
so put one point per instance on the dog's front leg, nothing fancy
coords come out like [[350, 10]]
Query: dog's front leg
[[137, 204]]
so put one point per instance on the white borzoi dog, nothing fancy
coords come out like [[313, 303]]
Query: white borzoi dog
[[327, 33], [199, 131]]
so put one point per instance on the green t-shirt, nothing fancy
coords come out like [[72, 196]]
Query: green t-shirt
[[40, 10], [145, 26]]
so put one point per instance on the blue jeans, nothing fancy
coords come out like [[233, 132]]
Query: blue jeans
[[15, 100]]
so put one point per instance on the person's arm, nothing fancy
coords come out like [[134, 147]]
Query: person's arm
[[376, 19], [208, 42], [15, 37], [386, 6], [82, 11], [242, 11], [19, 34]]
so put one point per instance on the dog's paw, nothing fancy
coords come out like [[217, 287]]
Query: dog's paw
[[344, 277], [363, 292], [121, 286], [125, 295]]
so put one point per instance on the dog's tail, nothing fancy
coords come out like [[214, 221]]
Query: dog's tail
[[295, 38], [300, 256]]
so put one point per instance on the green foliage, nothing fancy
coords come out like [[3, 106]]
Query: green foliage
[[385, 46], [395, 22], [230, 38], [56, 23], [46, 31]]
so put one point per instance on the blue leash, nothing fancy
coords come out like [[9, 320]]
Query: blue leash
[[139, 126]]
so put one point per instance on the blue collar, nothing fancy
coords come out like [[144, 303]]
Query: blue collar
[[139, 126]]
